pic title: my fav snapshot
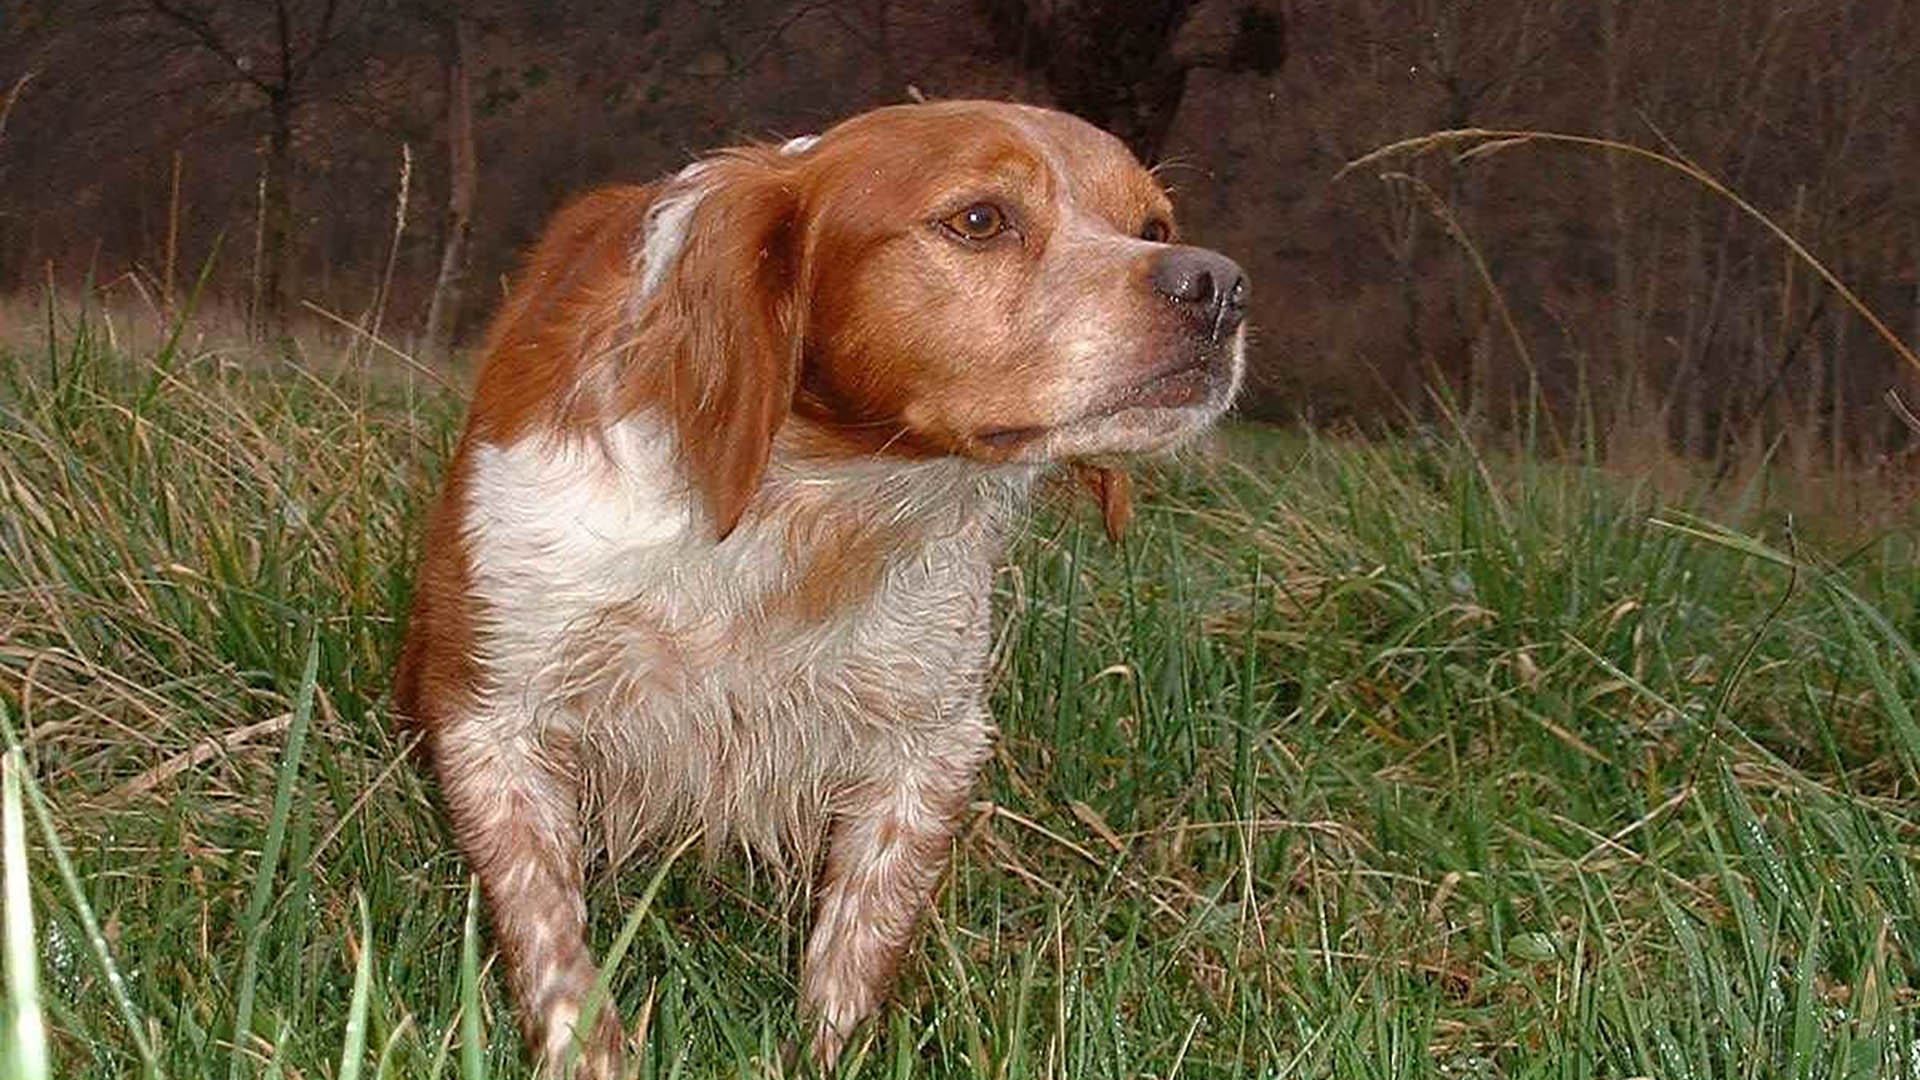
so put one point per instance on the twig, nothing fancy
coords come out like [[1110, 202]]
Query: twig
[[360, 803], [381, 342], [393, 250], [1484, 141], [1613, 841], [201, 753], [1901, 410], [13, 95]]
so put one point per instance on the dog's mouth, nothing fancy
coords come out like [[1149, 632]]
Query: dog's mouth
[[1187, 384]]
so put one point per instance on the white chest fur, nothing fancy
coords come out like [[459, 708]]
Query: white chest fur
[[731, 686]]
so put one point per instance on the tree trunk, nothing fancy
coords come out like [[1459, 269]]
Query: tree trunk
[[276, 227], [1627, 371], [462, 177], [1911, 378]]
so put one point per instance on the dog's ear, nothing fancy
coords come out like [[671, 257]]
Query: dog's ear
[[732, 311], [1113, 490]]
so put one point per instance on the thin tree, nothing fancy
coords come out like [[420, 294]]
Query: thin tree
[[443, 306], [276, 50]]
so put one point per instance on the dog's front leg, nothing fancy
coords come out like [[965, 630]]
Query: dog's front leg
[[890, 843], [516, 813]]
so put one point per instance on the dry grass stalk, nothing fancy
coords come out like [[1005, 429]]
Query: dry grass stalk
[[1479, 142]]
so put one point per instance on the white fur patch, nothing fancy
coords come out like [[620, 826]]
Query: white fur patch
[[667, 225], [698, 693], [551, 508], [553, 528], [799, 144]]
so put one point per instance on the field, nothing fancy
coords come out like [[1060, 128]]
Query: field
[[1356, 760]]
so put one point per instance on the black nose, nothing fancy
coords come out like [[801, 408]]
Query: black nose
[[1206, 283]]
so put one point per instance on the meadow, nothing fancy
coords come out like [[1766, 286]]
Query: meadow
[[1356, 759]]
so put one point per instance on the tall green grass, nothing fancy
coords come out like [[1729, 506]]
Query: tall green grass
[[1355, 760]]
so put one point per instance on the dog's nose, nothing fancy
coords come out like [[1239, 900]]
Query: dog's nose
[[1206, 283]]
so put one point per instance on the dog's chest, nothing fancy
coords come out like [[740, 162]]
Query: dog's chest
[[731, 684], [590, 567]]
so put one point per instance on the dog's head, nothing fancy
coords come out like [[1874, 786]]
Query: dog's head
[[992, 281]]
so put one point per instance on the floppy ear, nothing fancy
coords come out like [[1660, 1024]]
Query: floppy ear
[[733, 316], [1113, 490]]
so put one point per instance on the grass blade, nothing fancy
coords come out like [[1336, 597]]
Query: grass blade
[[96, 939], [598, 994], [253, 926], [355, 1043], [27, 1037], [473, 1050]]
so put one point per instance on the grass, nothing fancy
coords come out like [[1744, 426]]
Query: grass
[[1356, 760]]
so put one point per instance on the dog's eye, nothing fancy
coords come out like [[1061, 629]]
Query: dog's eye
[[981, 221], [1156, 231]]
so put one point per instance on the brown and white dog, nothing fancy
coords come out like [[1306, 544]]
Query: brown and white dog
[[715, 552]]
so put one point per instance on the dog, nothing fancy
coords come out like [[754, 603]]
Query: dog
[[716, 549]]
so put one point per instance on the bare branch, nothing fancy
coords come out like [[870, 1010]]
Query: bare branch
[[203, 31]]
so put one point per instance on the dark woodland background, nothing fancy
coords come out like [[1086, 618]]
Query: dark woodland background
[[272, 140]]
